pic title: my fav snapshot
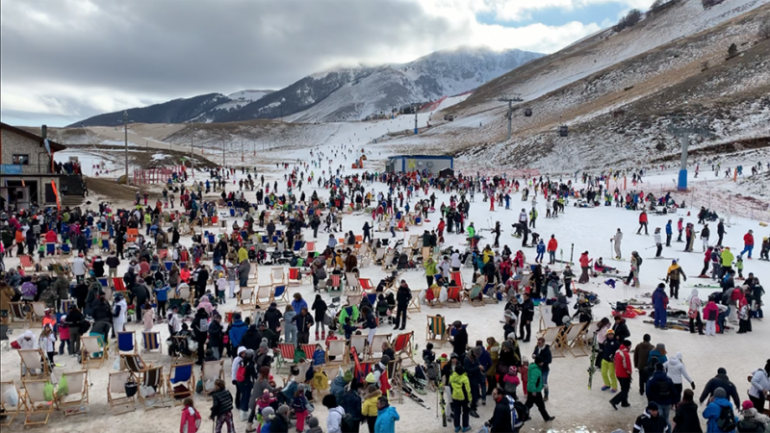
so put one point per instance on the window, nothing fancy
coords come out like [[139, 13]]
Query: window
[[21, 159]]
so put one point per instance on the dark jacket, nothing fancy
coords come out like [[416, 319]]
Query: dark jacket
[[471, 365], [608, 350], [527, 310], [647, 423], [273, 318], [501, 417], [460, 342], [319, 307], [222, 403], [403, 296], [720, 381], [251, 338], [641, 354], [660, 388], [216, 336], [545, 355], [621, 330], [351, 402], [279, 425], [687, 419]]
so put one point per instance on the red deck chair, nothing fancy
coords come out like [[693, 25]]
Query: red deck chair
[[366, 284], [454, 294], [457, 277], [286, 351], [26, 262], [118, 283], [309, 350], [404, 346], [336, 281]]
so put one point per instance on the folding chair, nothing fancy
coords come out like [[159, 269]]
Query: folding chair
[[454, 297], [117, 398], [436, 329], [264, 296], [576, 341], [554, 336], [285, 354], [126, 343], [66, 304], [387, 261], [365, 284], [27, 263], [120, 286], [414, 303], [246, 298], [474, 296], [457, 277], [92, 351], [375, 349], [354, 299], [151, 342], [5, 341], [183, 292], [309, 350], [35, 404], [76, 399], [20, 314], [11, 412], [136, 365], [212, 370], [403, 345], [295, 277], [152, 384], [338, 350], [38, 312], [277, 276], [433, 296], [36, 364], [310, 247], [280, 294], [359, 343]]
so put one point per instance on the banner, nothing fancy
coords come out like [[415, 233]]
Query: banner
[[10, 168], [56, 193]]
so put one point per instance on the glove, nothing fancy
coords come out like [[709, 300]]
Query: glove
[[693, 385], [235, 382]]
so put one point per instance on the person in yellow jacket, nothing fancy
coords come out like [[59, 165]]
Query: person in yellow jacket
[[243, 254], [461, 397], [727, 260], [430, 270], [488, 254], [369, 406]]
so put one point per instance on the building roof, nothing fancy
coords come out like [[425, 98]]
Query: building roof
[[421, 157], [54, 145]]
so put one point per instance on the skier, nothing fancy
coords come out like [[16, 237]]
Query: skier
[[642, 223], [672, 278], [721, 231], [748, 244], [553, 244], [660, 302], [668, 233], [680, 228], [704, 236], [658, 242], [617, 239]]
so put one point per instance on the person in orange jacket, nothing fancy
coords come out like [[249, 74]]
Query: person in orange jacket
[[553, 244]]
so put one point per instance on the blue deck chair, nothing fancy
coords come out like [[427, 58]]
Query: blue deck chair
[[180, 382], [50, 248], [126, 343], [168, 265]]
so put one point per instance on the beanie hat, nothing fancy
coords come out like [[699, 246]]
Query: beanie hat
[[748, 404], [720, 393], [370, 378], [385, 359], [282, 410], [721, 370], [267, 411], [348, 376], [263, 344], [652, 406], [660, 347], [312, 422]]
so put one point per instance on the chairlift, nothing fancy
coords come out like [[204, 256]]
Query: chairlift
[[563, 131], [528, 112]]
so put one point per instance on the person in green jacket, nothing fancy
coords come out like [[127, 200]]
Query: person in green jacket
[[461, 397], [430, 270], [535, 388], [471, 231]]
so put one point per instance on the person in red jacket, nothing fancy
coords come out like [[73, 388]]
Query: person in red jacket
[[748, 243], [585, 263], [623, 370], [642, 223], [440, 228], [552, 246], [51, 237]]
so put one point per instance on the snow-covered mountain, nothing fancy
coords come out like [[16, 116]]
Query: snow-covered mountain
[[340, 94]]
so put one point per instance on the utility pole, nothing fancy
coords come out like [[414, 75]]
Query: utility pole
[[192, 152], [682, 127], [510, 102], [415, 119], [125, 138]]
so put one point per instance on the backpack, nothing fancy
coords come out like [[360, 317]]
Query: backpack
[[522, 413], [510, 388], [204, 325], [432, 371], [639, 261], [750, 425], [664, 388], [726, 420], [348, 423]]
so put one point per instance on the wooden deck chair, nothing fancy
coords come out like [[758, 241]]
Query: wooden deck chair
[[36, 364], [119, 285], [27, 263], [375, 350], [576, 341], [180, 382], [351, 282], [473, 296], [246, 298], [151, 342], [554, 336], [38, 312], [66, 304], [285, 354], [132, 234], [295, 277], [280, 294], [184, 293], [20, 315], [359, 343], [387, 261], [413, 241], [136, 365], [354, 299], [10, 412], [310, 247], [264, 296], [403, 345], [277, 276], [454, 297], [336, 282], [457, 277], [92, 351], [414, 303], [366, 285], [436, 331], [126, 343], [35, 404], [117, 398], [338, 350], [379, 255], [433, 296], [152, 384], [212, 370], [76, 399]]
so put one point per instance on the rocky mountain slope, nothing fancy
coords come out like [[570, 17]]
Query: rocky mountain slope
[[341, 94]]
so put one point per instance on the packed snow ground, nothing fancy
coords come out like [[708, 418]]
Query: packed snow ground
[[575, 407]]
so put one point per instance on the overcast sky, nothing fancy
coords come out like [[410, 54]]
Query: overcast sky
[[65, 60]]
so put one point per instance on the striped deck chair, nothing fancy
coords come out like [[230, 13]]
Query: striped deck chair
[[180, 382], [436, 329], [117, 398], [151, 342], [66, 304], [119, 285], [11, 412], [27, 263], [126, 343], [285, 354], [474, 296], [152, 382], [403, 345], [35, 404], [336, 282], [136, 365], [76, 399], [20, 314]]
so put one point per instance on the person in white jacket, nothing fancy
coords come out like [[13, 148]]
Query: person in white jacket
[[760, 387], [336, 414], [456, 263], [676, 370], [658, 242]]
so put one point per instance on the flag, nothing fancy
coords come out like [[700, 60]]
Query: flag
[[56, 193]]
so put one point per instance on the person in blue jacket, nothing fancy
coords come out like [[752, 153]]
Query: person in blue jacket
[[540, 251], [669, 233], [660, 303], [237, 329], [714, 410], [386, 417]]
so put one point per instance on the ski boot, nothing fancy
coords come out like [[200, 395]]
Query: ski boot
[[316, 335], [323, 335]]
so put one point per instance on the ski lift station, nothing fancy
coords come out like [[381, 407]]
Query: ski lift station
[[422, 163]]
